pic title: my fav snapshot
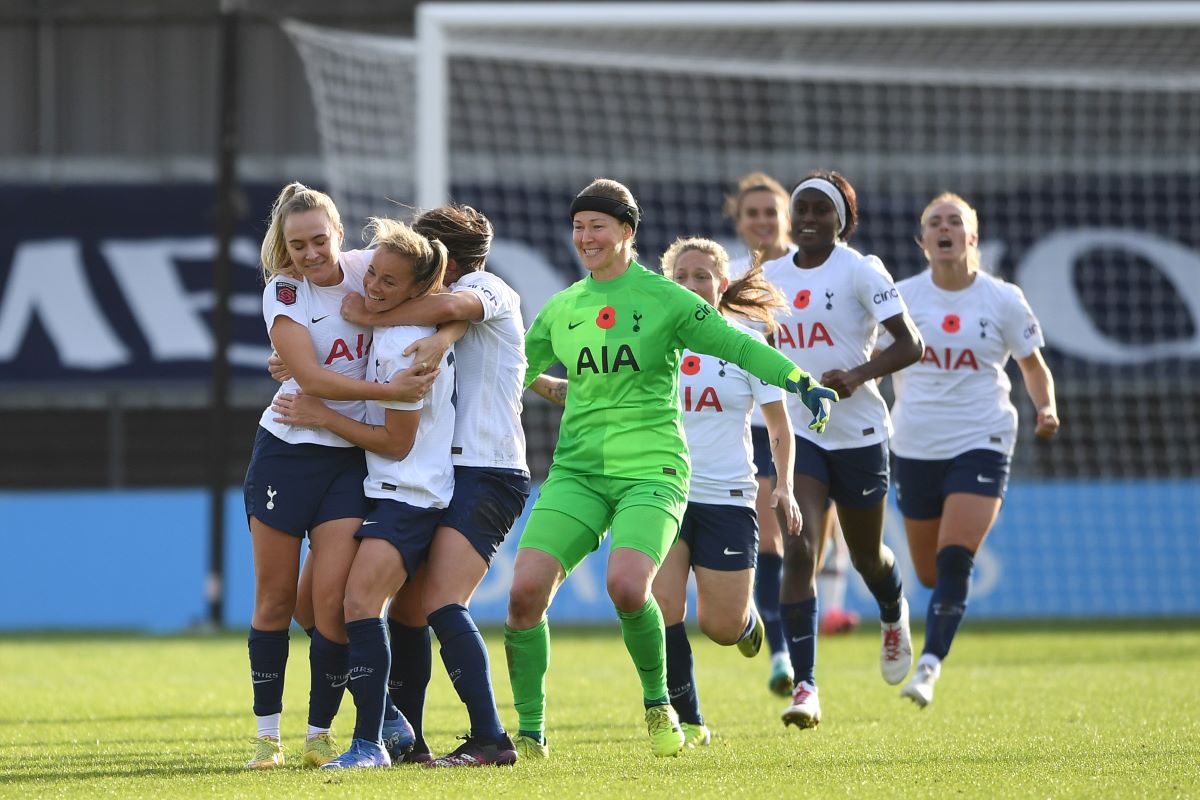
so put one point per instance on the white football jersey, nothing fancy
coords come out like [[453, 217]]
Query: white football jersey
[[737, 268], [716, 397], [491, 360], [830, 323], [339, 346], [425, 477], [956, 398]]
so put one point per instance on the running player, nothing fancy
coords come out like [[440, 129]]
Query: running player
[[410, 476], [621, 461], [719, 536], [759, 209], [302, 480], [951, 476], [491, 483], [837, 297]]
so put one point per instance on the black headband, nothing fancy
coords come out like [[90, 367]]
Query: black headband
[[606, 205]]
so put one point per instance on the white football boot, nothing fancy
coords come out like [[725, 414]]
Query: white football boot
[[895, 654], [920, 688], [805, 710]]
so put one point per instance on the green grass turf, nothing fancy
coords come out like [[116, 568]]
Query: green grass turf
[[1021, 711]]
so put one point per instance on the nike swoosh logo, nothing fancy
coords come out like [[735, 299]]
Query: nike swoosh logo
[[315, 320], [359, 675], [872, 490], [573, 325], [801, 638], [652, 669], [729, 552], [367, 522], [263, 680], [984, 479], [338, 685]]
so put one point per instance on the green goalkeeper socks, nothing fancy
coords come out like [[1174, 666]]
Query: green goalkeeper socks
[[528, 653], [645, 640]]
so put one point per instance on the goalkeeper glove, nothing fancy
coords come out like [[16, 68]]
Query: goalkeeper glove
[[815, 397]]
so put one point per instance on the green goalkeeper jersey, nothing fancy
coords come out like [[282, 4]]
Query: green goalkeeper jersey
[[620, 342]]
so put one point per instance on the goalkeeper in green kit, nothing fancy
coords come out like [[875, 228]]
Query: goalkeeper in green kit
[[621, 462]]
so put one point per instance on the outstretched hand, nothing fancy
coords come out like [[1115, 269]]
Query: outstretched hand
[[815, 397]]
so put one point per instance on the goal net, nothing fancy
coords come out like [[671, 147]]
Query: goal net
[[1072, 128]]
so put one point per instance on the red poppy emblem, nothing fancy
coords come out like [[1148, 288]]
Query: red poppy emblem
[[951, 323], [801, 299], [285, 293], [691, 365], [607, 317]]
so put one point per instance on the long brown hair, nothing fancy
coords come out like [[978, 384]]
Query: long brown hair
[[750, 296]]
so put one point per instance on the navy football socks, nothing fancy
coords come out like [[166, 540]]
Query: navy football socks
[[466, 660], [800, 625], [766, 597], [268, 662], [681, 677], [949, 600]]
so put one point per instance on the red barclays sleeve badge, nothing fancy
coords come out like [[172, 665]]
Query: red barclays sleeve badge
[[285, 293]]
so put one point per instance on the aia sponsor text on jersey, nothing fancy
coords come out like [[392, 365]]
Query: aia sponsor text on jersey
[[340, 349]]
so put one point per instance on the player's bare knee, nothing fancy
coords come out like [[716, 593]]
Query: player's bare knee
[[527, 605], [724, 629], [273, 609], [628, 592], [359, 605]]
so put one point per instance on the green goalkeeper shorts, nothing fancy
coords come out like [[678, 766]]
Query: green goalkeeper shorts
[[643, 515]]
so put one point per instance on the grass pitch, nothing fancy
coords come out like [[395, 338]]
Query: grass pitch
[[1054, 711]]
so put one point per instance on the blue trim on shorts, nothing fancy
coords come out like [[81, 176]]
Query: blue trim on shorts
[[764, 464], [295, 487], [922, 485], [486, 505], [407, 528], [721, 537], [857, 477]]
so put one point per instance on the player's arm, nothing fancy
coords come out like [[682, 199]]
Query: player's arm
[[1039, 384], [703, 330], [428, 353], [294, 345], [393, 439], [782, 439], [552, 388], [433, 309], [906, 348], [408, 385]]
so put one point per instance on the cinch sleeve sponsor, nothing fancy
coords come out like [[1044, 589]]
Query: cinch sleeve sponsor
[[875, 290], [1022, 333], [497, 303]]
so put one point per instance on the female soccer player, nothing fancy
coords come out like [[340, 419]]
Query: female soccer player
[[759, 209], [304, 480], [409, 474], [951, 476], [621, 461], [837, 297], [719, 536], [491, 481]]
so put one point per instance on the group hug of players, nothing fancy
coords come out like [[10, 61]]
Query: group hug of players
[[395, 445]]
